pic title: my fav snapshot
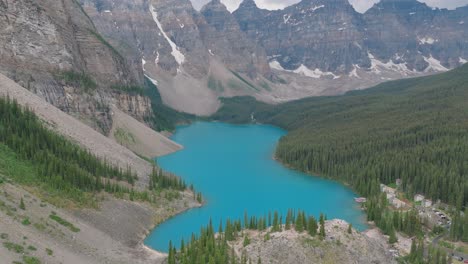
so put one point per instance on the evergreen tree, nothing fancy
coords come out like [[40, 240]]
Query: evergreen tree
[[22, 206], [322, 227], [312, 226]]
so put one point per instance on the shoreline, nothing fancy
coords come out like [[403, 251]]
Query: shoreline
[[148, 231]]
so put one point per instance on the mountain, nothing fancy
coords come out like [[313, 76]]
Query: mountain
[[312, 48], [317, 34], [193, 57], [334, 49], [53, 49]]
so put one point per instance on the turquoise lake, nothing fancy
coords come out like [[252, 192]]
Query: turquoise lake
[[233, 167]]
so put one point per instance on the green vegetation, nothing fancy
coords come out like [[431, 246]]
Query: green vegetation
[[413, 130], [124, 137], [31, 260], [390, 221], [208, 248], [459, 228], [4, 236], [64, 222], [80, 80], [49, 251], [215, 85], [32, 248], [33, 155], [13, 247], [434, 255], [129, 89], [164, 118], [26, 221], [22, 206], [107, 44], [249, 84], [158, 180]]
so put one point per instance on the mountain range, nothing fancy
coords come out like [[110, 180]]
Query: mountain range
[[314, 47]]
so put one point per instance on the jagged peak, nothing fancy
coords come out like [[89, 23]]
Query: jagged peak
[[401, 4], [248, 4], [215, 5]]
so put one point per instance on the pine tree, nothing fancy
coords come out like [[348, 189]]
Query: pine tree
[[392, 239], [312, 226], [322, 227], [350, 228], [246, 241], [22, 206]]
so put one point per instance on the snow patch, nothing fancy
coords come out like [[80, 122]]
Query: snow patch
[[461, 22], [276, 65], [317, 73], [412, 13], [211, 53], [286, 18], [152, 80], [427, 40], [354, 73], [463, 61], [143, 62], [156, 61], [434, 65], [317, 7], [107, 11], [378, 66], [303, 70], [178, 56]]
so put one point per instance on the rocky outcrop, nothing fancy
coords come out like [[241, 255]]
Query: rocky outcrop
[[53, 49], [338, 247]]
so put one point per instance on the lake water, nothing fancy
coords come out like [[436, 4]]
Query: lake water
[[233, 167]]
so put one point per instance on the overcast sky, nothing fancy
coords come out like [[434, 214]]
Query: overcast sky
[[359, 5]]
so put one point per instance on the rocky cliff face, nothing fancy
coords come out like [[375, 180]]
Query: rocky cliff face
[[53, 49], [315, 47], [223, 37], [192, 56], [405, 37], [318, 34]]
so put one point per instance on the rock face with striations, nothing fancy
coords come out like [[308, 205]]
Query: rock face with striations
[[319, 34], [403, 36], [314, 47], [224, 38], [192, 56], [53, 49]]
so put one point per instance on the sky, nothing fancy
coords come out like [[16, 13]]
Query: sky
[[359, 5]]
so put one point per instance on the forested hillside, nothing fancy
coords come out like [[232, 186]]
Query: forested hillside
[[414, 130], [33, 155]]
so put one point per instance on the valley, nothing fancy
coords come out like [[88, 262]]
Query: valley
[[148, 131]]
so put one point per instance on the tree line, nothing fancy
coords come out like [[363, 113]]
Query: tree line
[[65, 166], [213, 248]]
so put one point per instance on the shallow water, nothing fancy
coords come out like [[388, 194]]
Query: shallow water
[[233, 167]]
